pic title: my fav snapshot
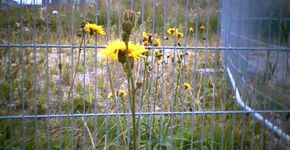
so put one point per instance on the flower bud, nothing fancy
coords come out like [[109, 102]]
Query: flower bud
[[128, 21]]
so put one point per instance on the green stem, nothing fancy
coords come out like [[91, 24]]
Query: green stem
[[114, 93], [132, 92], [111, 83], [145, 80], [155, 97], [177, 84], [77, 66], [133, 113]]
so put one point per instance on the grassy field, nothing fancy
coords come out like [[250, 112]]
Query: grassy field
[[38, 81]]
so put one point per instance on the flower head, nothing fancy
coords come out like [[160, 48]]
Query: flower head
[[190, 29], [157, 42], [146, 43], [119, 93], [187, 86], [148, 40], [179, 34], [116, 50], [158, 55], [201, 28], [175, 32], [93, 29], [110, 96], [128, 21], [147, 36], [172, 31]]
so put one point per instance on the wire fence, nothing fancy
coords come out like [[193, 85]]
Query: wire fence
[[223, 83]]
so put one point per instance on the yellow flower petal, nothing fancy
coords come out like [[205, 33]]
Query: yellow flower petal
[[187, 86], [157, 42], [136, 51], [179, 34], [190, 29], [202, 28], [93, 29], [118, 47], [110, 96], [172, 31], [121, 93], [145, 36]]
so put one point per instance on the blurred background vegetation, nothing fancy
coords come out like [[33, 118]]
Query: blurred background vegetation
[[57, 18]]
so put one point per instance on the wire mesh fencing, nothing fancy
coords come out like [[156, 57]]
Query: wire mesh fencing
[[196, 74]]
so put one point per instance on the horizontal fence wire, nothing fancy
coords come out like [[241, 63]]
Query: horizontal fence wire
[[220, 48], [189, 113], [260, 19]]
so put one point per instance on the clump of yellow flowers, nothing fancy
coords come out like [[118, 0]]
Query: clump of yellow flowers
[[148, 40], [120, 93], [174, 31]]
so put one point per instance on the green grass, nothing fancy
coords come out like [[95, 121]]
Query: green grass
[[189, 134], [178, 131]]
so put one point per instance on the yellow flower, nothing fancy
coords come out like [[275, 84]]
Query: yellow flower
[[136, 51], [110, 95], [94, 29], [158, 55], [147, 40], [117, 49], [121, 93], [172, 31], [146, 43], [179, 34], [201, 28], [157, 42], [187, 86], [190, 29], [146, 36]]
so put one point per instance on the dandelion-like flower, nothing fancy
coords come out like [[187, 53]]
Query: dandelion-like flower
[[175, 32], [146, 43], [157, 42], [119, 93], [202, 28], [187, 86], [146, 36], [179, 34], [172, 31], [158, 55], [93, 29], [190, 29], [110, 96], [116, 50], [148, 40]]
